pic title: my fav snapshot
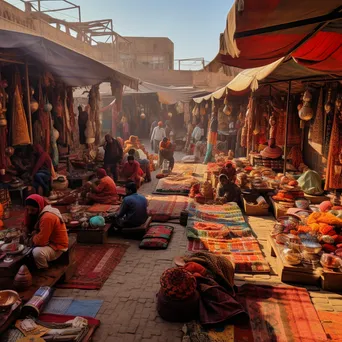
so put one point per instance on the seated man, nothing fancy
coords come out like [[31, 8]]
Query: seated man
[[230, 171], [166, 152], [46, 230], [227, 191], [143, 161], [131, 172], [105, 192], [133, 210]]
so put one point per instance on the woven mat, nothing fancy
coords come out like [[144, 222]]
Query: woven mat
[[95, 263], [164, 208], [75, 307]]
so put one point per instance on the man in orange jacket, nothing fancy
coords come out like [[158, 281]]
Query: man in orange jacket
[[46, 229]]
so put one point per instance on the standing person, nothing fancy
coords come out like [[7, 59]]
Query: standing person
[[166, 152], [168, 129], [113, 155], [133, 210], [46, 229], [82, 124], [212, 137], [125, 128], [189, 130], [197, 133], [157, 136]]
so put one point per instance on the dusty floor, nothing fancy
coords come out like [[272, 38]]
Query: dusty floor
[[129, 309]]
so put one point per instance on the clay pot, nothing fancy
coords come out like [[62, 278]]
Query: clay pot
[[47, 107], [23, 279]]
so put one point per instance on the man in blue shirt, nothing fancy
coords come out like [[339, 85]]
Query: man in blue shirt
[[133, 210]]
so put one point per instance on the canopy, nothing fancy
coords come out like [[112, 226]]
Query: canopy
[[71, 67], [166, 95], [261, 32], [281, 70]]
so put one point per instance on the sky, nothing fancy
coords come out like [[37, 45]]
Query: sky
[[194, 26]]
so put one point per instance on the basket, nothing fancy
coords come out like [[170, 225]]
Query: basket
[[253, 210], [60, 186]]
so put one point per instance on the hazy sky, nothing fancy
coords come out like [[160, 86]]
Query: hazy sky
[[193, 25]]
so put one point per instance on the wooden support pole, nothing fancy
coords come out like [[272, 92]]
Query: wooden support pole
[[28, 101], [287, 126]]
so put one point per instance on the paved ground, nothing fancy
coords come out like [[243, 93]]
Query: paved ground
[[129, 309]]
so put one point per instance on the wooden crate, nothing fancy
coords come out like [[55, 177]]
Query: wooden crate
[[292, 274], [331, 281], [278, 210], [253, 210], [91, 236]]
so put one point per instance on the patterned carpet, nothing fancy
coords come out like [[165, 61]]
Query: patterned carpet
[[221, 229]]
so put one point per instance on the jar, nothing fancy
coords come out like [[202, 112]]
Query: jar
[[292, 257]]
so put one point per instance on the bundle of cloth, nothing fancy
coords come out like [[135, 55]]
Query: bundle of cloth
[[202, 289]]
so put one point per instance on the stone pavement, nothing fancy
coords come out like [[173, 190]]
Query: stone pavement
[[129, 309]]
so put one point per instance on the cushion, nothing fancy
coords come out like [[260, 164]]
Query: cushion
[[154, 243], [159, 231]]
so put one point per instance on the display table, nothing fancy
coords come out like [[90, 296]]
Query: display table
[[91, 235], [81, 178], [328, 279]]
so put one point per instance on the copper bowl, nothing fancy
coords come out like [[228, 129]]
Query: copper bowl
[[8, 298]]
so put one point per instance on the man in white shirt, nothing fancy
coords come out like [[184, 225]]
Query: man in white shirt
[[197, 133], [157, 136]]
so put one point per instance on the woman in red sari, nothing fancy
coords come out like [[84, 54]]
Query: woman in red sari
[[104, 192]]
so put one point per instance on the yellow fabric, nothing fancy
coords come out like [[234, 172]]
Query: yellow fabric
[[326, 218]]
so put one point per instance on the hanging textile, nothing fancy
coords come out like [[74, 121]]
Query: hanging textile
[[3, 128], [316, 129], [44, 118], [250, 121], [37, 133], [280, 130], [294, 131], [54, 148], [19, 127], [333, 171], [70, 104], [328, 132]]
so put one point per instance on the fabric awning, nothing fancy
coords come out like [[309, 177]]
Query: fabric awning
[[261, 33], [281, 70], [71, 67]]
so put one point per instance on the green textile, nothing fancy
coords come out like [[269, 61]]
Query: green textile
[[311, 183]]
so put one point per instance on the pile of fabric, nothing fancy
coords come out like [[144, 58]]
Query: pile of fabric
[[222, 230], [201, 289]]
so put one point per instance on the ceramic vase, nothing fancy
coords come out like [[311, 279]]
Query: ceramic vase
[[23, 279]]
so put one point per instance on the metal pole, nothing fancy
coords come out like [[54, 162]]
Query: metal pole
[[28, 100], [287, 126], [38, 5]]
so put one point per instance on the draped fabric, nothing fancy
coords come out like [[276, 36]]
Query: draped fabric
[[19, 128], [333, 175], [316, 129]]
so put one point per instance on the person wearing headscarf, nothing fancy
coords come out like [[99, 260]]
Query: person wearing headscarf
[[166, 151], [230, 171], [131, 171], [226, 190], [157, 136], [133, 210], [105, 191], [42, 171], [212, 137], [46, 231], [113, 155]]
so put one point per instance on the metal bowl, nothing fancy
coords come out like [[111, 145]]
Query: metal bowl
[[8, 298], [311, 247]]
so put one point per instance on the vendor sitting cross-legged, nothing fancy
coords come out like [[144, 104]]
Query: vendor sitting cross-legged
[[131, 172], [133, 210], [46, 230], [226, 190], [104, 191]]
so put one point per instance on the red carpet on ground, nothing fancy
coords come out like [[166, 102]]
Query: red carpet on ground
[[331, 322], [282, 314], [95, 263]]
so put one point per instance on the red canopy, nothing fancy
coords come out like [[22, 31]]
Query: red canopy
[[261, 32]]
